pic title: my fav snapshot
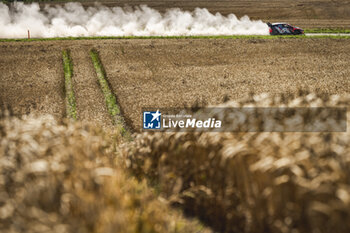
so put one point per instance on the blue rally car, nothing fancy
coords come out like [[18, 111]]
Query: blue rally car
[[284, 29]]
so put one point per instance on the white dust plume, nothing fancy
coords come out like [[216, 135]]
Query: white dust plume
[[73, 20]]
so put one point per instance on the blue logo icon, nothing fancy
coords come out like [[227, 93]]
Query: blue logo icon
[[152, 120]]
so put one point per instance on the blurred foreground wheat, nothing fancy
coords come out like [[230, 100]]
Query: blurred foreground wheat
[[66, 178], [254, 182]]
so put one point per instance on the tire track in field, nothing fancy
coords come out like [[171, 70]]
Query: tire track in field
[[89, 98], [71, 110]]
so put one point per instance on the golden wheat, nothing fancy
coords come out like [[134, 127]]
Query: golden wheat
[[254, 182], [66, 178]]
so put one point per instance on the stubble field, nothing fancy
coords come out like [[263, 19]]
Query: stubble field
[[32, 79], [168, 73]]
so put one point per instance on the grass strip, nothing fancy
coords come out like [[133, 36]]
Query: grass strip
[[327, 30], [175, 37], [70, 97], [110, 99]]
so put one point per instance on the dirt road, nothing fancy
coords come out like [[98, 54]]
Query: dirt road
[[303, 13]]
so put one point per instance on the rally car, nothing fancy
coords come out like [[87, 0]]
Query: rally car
[[284, 29]]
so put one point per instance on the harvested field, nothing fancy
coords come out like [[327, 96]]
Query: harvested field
[[32, 79], [178, 72]]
